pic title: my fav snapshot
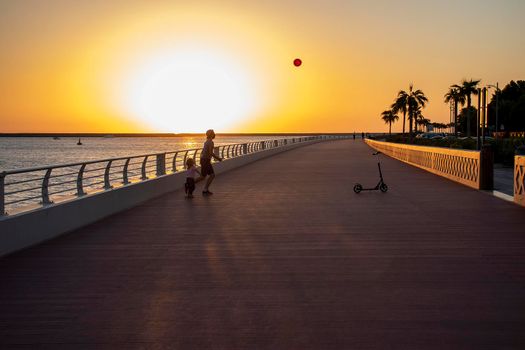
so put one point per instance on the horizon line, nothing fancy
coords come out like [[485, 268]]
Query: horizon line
[[142, 134]]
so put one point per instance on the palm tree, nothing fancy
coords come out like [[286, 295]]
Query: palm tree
[[401, 105], [437, 126], [416, 101], [408, 102], [389, 117], [419, 119], [450, 126], [425, 122], [468, 88], [455, 96]]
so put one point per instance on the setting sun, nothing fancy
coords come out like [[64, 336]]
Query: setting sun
[[188, 90], [185, 67]]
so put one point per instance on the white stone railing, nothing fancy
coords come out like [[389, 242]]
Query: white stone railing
[[471, 168], [519, 180]]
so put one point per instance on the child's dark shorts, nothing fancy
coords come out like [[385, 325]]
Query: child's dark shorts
[[206, 167], [190, 185]]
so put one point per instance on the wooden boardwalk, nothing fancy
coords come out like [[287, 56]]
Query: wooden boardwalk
[[283, 256]]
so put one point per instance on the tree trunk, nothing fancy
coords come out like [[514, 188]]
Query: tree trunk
[[468, 115], [410, 120], [456, 119], [389, 128], [404, 117]]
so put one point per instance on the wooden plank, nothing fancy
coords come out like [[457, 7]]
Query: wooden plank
[[283, 255]]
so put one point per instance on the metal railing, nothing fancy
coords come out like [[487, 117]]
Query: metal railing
[[26, 189]]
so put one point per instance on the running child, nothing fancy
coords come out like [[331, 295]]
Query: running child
[[191, 173]]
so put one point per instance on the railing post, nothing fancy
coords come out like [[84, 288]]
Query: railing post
[[222, 148], [45, 187], [2, 191], [275, 143], [107, 182], [174, 163], [80, 179], [144, 177], [486, 168], [125, 180], [245, 148], [263, 145], [184, 160], [161, 164]]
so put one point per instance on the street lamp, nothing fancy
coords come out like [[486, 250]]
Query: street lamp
[[497, 103], [481, 117]]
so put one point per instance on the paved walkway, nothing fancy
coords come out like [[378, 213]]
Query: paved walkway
[[283, 256], [504, 179]]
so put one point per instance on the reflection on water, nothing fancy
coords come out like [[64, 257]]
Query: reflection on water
[[27, 152], [25, 190]]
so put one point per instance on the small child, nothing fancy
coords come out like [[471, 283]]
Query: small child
[[192, 171]]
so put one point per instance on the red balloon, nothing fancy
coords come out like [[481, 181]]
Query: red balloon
[[297, 62]]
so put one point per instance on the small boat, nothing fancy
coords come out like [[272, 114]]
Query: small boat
[[56, 138], [79, 143]]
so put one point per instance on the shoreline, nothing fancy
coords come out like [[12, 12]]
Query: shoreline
[[110, 135]]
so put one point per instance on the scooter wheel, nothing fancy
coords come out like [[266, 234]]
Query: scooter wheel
[[358, 188], [383, 188]]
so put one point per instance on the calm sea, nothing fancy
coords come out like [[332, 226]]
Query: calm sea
[[27, 152]]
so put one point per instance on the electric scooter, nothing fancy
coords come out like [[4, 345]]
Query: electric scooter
[[381, 185]]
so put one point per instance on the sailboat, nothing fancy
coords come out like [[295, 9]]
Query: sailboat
[[79, 143]]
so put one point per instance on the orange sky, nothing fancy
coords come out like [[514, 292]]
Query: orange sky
[[139, 66]]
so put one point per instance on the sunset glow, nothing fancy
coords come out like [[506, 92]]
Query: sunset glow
[[140, 66], [188, 90]]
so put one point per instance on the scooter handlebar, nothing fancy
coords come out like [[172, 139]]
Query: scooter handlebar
[[376, 153]]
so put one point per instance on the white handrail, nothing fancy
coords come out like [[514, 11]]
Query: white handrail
[[24, 187]]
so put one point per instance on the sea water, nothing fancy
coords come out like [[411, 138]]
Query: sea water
[[23, 191], [28, 152]]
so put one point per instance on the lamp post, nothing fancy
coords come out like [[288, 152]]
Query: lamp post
[[483, 114], [478, 115], [497, 103]]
